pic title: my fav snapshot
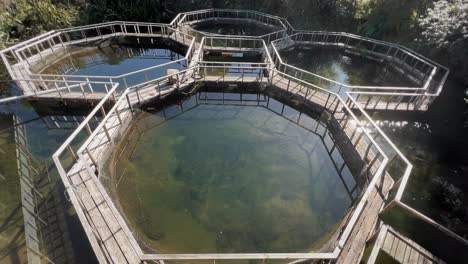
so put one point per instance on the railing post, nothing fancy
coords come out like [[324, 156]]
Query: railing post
[[91, 158], [178, 81], [129, 104], [107, 133], [118, 115], [72, 153], [138, 95], [88, 129], [58, 91], [89, 85], [66, 84], [82, 90]]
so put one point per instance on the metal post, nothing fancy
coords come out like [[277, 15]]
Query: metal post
[[107, 132], [72, 153], [82, 90], [129, 104], [89, 85], [91, 157]]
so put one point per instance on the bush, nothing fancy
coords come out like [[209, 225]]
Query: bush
[[25, 18]]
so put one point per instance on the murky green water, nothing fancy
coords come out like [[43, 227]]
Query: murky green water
[[343, 67], [227, 28], [219, 177], [43, 138]]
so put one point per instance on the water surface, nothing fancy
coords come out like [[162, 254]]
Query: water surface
[[116, 60], [343, 67], [215, 176], [233, 28], [44, 136]]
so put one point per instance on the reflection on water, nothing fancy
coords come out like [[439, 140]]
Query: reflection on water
[[113, 60], [343, 67], [435, 143], [11, 218], [116, 60], [234, 28], [225, 172], [234, 64], [28, 191]]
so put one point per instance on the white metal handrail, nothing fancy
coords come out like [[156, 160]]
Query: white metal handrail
[[124, 77], [190, 17], [94, 240], [285, 65], [380, 146], [61, 38], [343, 38]]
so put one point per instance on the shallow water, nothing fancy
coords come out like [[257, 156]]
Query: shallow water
[[116, 60], [433, 142], [343, 67], [43, 138], [231, 178]]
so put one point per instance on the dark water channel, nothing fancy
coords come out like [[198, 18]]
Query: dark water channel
[[435, 141]]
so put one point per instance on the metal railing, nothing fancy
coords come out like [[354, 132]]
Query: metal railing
[[187, 18], [74, 162], [102, 136], [411, 249], [19, 58], [420, 68], [234, 71], [346, 103], [131, 78], [61, 89]]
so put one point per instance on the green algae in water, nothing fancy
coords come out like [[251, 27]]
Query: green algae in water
[[229, 178], [12, 247]]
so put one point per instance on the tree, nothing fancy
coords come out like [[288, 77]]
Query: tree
[[123, 10], [446, 23], [445, 32]]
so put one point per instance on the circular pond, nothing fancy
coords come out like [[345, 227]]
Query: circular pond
[[229, 172]]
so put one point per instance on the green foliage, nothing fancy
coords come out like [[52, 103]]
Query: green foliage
[[5, 21], [123, 10], [444, 34], [446, 23], [393, 20], [25, 18]]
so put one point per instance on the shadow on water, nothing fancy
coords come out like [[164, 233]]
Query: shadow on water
[[435, 142], [230, 172], [27, 142]]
